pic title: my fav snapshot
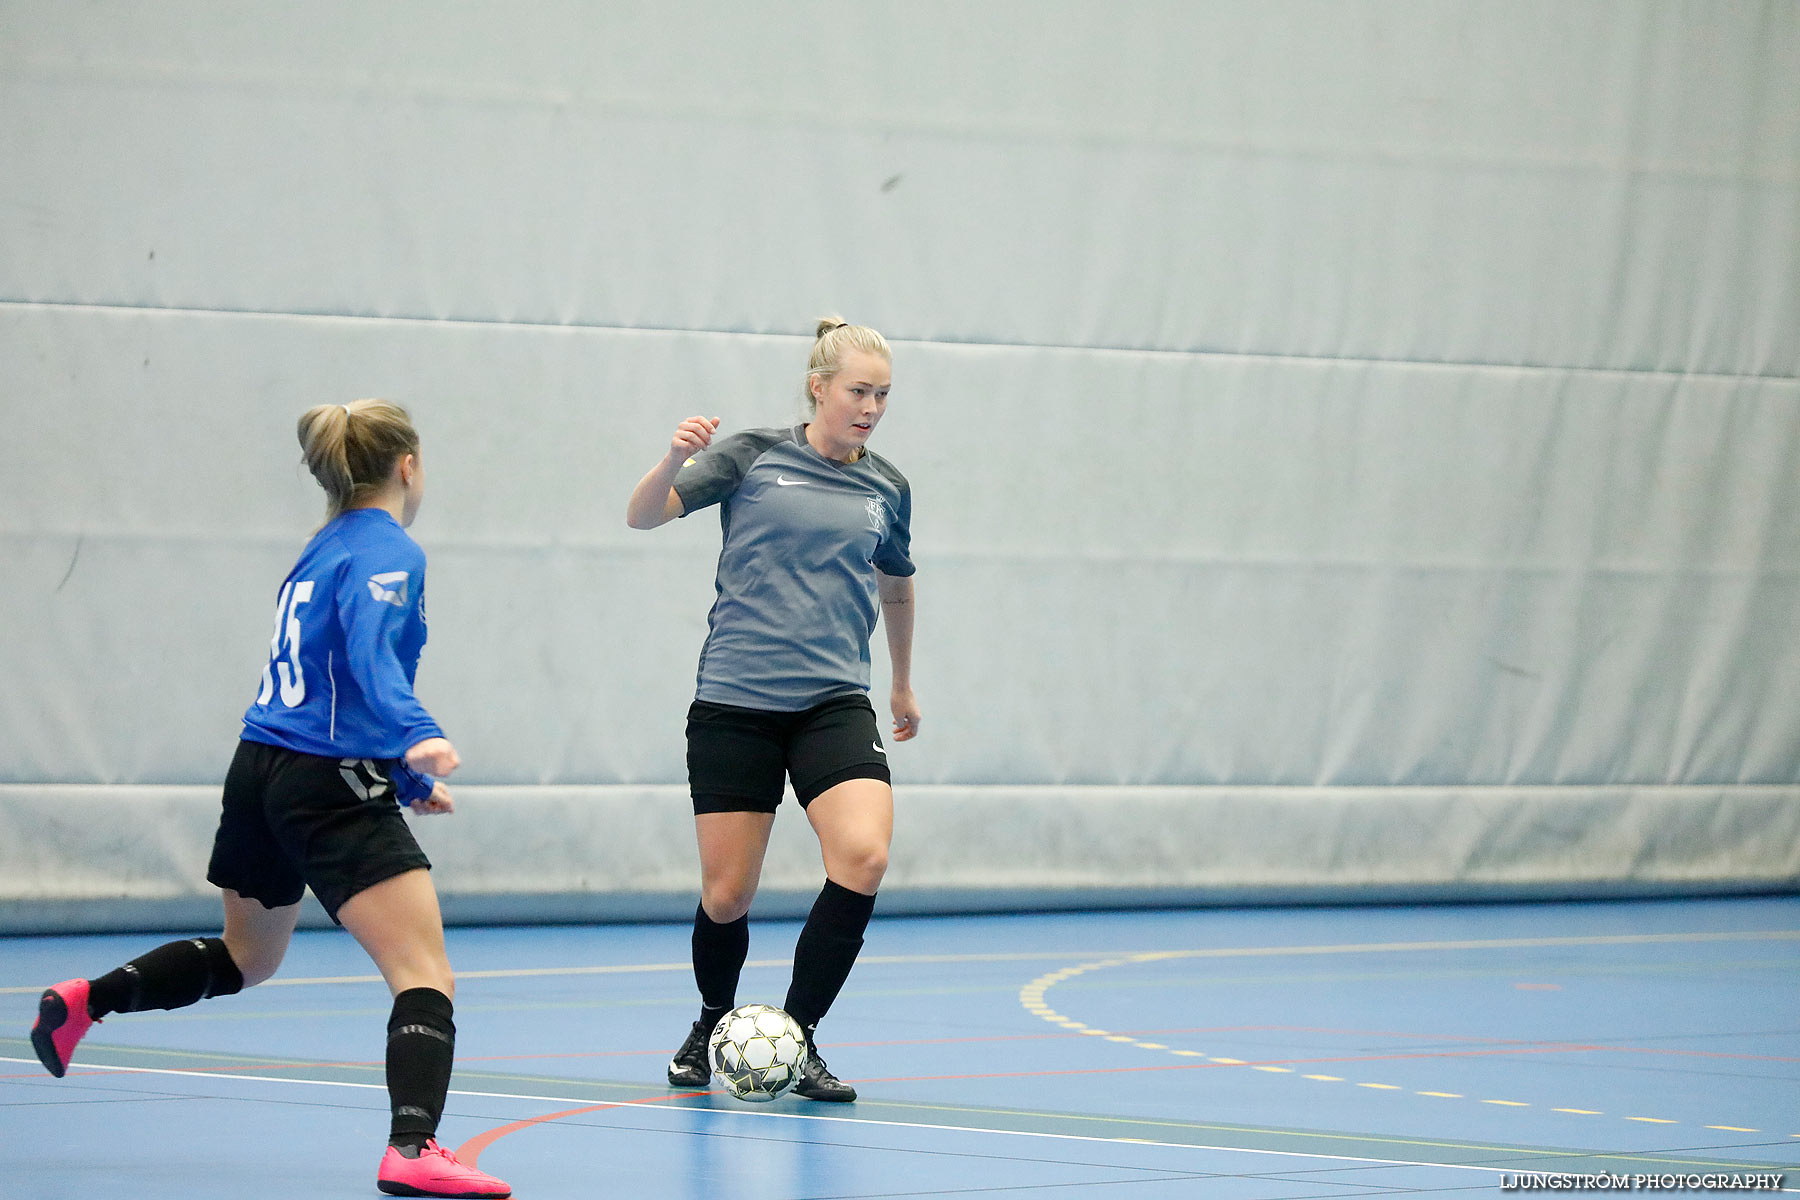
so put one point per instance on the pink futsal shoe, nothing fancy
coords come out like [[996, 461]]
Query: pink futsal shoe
[[62, 1020], [435, 1172]]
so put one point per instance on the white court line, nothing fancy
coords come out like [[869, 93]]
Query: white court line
[[1623, 939], [589, 1102]]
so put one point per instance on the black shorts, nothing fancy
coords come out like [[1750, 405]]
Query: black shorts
[[293, 821], [737, 756]]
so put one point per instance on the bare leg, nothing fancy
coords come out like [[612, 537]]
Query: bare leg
[[732, 846], [398, 922], [257, 937], [855, 824], [173, 975]]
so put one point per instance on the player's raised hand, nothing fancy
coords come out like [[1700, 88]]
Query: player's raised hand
[[692, 436], [433, 756]]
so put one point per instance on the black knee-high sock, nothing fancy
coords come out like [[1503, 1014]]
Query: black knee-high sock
[[719, 953], [827, 949], [420, 1048], [174, 975]]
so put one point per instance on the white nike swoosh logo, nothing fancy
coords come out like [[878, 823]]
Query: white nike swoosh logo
[[878, 748], [784, 481]]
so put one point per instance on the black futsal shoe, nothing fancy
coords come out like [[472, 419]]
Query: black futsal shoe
[[816, 1081], [689, 1068]]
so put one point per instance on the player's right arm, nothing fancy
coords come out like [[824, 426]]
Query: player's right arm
[[654, 501]]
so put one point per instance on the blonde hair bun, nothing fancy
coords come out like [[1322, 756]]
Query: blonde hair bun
[[835, 338]]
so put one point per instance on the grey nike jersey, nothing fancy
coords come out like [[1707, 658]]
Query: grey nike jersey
[[803, 538]]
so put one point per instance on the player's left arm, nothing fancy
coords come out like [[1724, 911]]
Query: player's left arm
[[373, 623], [420, 792], [896, 593], [438, 801]]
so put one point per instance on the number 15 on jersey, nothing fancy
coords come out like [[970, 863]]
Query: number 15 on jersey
[[286, 639]]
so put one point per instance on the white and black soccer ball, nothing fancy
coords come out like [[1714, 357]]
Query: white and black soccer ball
[[756, 1051]]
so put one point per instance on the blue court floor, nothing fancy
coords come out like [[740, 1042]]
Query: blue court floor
[[1251, 1054]]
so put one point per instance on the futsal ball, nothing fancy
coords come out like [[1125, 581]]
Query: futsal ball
[[756, 1051]]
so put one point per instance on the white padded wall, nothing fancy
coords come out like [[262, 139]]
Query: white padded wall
[[1603, 185], [1370, 396]]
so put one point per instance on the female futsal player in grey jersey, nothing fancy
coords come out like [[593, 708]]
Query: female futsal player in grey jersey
[[816, 535]]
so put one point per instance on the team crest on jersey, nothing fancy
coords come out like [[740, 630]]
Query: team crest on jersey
[[389, 587], [877, 514]]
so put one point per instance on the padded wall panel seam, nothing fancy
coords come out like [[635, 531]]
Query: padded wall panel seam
[[947, 342]]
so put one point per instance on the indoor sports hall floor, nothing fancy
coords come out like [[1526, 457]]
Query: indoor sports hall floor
[[1129, 1056]]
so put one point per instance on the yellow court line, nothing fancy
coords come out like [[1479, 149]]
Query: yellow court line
[[1032, 996], [1302, 1134]]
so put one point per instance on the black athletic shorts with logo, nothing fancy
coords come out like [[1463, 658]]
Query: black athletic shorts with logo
[[293, 821], [737, 756]]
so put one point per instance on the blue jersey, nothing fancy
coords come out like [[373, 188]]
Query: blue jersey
[[349, 626]]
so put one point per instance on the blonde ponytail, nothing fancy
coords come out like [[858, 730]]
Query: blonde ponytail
[[351, 448]]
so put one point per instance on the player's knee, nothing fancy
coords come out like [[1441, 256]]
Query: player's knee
[[445, 982], [863, 868], [436, 973], [423, 974], [726, 902], [255, 960]]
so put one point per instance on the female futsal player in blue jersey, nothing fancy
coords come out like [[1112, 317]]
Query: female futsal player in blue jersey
[[333, 744], [816, 536]]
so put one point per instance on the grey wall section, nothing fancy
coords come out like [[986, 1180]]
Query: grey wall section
[[1332, 427], [626, 853]]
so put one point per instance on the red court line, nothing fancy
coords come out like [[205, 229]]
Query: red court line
[[570, 1054], [469, 1153]]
